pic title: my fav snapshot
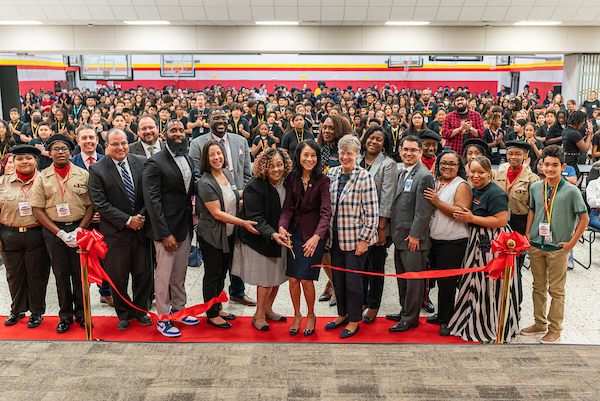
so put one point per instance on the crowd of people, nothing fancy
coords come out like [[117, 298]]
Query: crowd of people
[[270, 185]]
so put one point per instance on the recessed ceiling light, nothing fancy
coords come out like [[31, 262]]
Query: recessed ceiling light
[[147, 22], [407, 23], [276, 22], [538, 23], [20, 23]]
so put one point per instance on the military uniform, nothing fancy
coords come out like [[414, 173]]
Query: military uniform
[[23, 249], [518, 202], [65, 201]]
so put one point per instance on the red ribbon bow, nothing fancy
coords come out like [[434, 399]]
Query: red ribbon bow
[[507, 254], [92, 242]]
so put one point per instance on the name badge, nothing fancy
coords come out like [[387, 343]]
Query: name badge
[[63, 210], [25, 209], [408, 184], [545, 232]]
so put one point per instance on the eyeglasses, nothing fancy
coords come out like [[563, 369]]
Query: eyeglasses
[[446, 164], [117, 144], [411, 150], [61, 149], [146, 128]]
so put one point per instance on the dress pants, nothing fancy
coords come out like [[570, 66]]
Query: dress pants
[[171, 269], [216, 265], [411, 291], [130, 256], [549, 270], [27, 269], [66, 267], [348, 286], [519, 224], [373, 285], [447, 255]]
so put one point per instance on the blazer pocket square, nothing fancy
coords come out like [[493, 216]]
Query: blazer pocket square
[[241, 153]]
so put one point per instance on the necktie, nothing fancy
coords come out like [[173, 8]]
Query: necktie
[[91, 160], [225, 150], [401, 181], [128, 184], [152, 150]]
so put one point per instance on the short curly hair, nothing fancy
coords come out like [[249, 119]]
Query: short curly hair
[[263, 161]]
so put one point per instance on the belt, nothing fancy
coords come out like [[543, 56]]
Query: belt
[[21, 229], [67, 223]]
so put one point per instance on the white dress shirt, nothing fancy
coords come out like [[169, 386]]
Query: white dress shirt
[[147, 147], [86, 159], [184, 167], [120, 170], [592, 193]]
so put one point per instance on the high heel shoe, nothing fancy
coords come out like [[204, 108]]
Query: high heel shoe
[[308, 332], [264, 327], [293, 332]]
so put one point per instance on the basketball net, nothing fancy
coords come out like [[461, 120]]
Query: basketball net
[[405, 65], [176, 75]]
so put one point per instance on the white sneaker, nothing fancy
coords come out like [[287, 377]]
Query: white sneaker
[[187, 320], [167, 329]]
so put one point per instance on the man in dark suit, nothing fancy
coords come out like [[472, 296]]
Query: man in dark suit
[[238, 160], [87, 139], [115, 188], [148, 143], [411, 213], [168, 186]]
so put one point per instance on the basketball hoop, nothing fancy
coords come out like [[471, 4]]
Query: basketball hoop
[[405, 65], [176, 73]]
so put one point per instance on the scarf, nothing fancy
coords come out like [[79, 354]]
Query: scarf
[[24, 178], [63, 171], [428, 162], [512, 175]]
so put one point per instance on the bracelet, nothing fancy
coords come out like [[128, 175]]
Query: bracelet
[[318, 236], [381, 228]]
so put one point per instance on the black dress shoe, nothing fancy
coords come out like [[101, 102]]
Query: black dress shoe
[[324, 298], [435, 319], [229, 316], [368, 319], [225, 325], [63, 326], [402, 326], [34, 321], [396, 317], [332, 326], [144, 320], [81, 322], [428, 307], [444, 330], [13, 319], [122, 325]]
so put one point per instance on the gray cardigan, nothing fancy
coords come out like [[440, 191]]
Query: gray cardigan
[[210, 229], [385, 174]]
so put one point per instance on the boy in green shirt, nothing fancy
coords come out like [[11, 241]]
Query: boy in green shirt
[[553, 230]]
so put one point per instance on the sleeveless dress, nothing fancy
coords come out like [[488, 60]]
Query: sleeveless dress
[[475, 315]]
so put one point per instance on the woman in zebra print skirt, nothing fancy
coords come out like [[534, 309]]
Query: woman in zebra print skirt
[[475, 315]]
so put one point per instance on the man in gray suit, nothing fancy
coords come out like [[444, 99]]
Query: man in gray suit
[[411, 213], [238, 158], [236, 148], [148, 143]]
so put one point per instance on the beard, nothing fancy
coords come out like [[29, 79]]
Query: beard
[[461, 110], [178, 148]]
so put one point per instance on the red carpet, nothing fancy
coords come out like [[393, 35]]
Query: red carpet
[[105, 328]]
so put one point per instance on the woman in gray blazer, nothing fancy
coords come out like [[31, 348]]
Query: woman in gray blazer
[[218, 210], [376, 146]]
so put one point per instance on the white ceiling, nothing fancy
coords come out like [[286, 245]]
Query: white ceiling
[[309, 12]]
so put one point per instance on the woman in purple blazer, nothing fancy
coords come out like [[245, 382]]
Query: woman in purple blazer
[[306, 214]]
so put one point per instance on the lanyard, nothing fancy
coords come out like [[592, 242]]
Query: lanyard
[[30, 185], [549, 200], [437, 186], [78, 110], [236, 126], [299, 138], [62, 191], [395, 134], [161, 129], [507, 189], [35, 131], [3, 151], [61, 126], [15, 125], [262, 143]]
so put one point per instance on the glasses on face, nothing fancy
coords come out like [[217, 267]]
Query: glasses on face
[[448, 164], [117, 144], [143, 129], [411, 150], [60, 149]]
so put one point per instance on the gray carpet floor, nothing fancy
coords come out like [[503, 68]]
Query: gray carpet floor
[[199, 371]]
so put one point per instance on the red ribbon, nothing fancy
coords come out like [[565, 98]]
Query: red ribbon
[[93, 248], [495, 267]]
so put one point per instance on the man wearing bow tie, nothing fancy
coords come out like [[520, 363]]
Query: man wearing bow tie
[[168, 186]]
